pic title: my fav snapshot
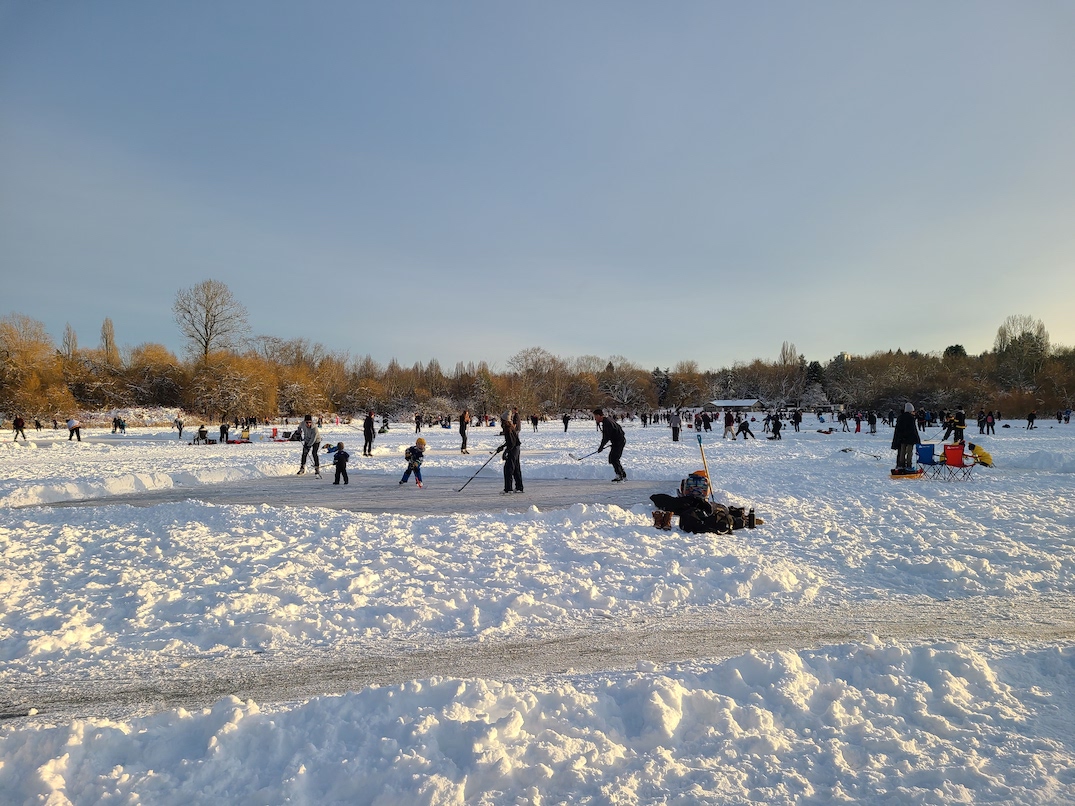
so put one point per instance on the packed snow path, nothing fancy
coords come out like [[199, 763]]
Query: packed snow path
[[264, 677], [603, 644], [375, 493]]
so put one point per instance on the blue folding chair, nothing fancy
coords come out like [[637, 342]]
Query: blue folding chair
[[928, 463]]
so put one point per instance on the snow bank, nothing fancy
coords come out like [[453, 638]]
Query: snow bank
[[871, 723]]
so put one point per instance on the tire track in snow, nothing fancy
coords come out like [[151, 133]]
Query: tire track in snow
[[708, 635]]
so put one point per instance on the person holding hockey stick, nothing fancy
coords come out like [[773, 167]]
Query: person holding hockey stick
[[612, 432], [512, 451], [414, 456], [311, 443]]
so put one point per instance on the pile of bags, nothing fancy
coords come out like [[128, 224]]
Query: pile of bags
[[696, 513]]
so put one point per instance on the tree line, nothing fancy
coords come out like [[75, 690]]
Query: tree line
[[226, 373]]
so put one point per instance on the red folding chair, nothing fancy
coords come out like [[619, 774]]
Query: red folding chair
[[956, 466]]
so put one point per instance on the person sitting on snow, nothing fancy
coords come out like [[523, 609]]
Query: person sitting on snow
[[981, 456]]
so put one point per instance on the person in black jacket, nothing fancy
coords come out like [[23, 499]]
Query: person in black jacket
[[369, 425], [339, 459], [512, 451], [611, 432], [904, 438]]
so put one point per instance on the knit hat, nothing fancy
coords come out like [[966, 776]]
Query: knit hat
[[421, 443], [909, 407]]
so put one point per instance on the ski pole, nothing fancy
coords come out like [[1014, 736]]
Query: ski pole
[[480, 469]]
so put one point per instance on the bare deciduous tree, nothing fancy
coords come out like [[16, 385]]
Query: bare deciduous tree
[[69, 346], [209, 317], [1022, 348], [109, 350]]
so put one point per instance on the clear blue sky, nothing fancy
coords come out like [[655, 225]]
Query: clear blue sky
[[463, 180]]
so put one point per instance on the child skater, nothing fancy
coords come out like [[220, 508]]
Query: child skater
[[414, 456], [339, 458]]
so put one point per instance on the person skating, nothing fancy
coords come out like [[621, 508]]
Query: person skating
[[369, 425], [904, 438], [676, 422], [611, 432], [464, 424], [959, 424], [74, 430], [744, 429], [729, 425], [414, 456], [339, 459], [18, 425], [776, 426], [311, 441], [566, 418], [510, 455]]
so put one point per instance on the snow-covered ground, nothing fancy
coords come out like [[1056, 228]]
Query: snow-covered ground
[[875, 641]]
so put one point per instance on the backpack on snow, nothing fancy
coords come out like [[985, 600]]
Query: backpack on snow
[[696, 485]]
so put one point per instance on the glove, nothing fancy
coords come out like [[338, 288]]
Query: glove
[[498, 450]]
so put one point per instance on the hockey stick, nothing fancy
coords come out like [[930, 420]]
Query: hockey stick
[[855, 450], [480, 469], [580, 458], [705, 464]]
